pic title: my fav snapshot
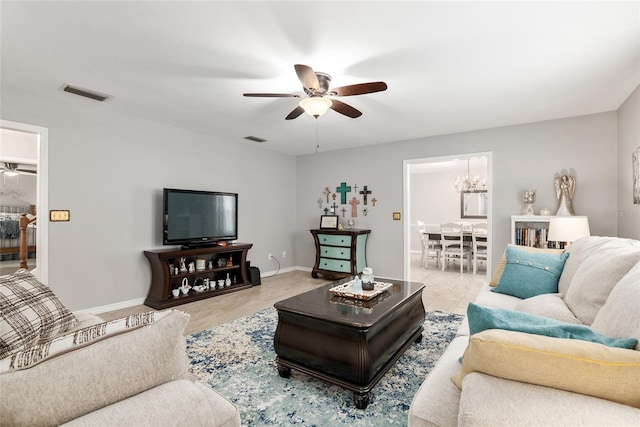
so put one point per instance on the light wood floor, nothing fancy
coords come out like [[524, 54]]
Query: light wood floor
[[447, 291], [10, 266]]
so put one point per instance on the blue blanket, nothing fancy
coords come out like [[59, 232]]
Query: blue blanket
[[482, 318]]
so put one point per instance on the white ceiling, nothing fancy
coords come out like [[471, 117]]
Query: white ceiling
[[19, 147], [450, 66]]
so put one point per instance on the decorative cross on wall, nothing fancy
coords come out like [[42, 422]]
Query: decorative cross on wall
[[343, 190], [327, 192], [334, 207], [354, 206], [343, 211], [355, 188], [374, 200], [319, 203], [326, 211], [364, 192]]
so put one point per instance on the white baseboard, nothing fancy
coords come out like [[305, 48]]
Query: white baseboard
[[264, 274], [113, 307], [140, 301]]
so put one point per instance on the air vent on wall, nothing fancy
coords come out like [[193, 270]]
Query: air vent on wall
[[85, 92], [254, 138]]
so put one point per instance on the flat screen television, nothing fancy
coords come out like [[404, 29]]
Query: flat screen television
[[198, 218]]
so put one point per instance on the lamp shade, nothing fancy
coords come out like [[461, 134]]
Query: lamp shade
[[316, 105], [568, 228]]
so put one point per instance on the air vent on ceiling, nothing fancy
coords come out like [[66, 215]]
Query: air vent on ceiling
[[254, 139], [85, 92]]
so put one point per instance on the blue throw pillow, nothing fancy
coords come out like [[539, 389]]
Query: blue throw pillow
[[527, 274], [482, 318]]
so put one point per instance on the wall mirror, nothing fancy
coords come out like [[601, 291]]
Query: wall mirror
[[473, 204]]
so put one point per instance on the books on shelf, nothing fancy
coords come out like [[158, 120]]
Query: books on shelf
[[531, 236], [532, 231]]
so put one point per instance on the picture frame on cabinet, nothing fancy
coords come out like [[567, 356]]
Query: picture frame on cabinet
[[328, 222]]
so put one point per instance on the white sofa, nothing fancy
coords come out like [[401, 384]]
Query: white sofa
[[599, 287], [132, 371]]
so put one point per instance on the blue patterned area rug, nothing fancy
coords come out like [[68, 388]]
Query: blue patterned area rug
[[237, 360]]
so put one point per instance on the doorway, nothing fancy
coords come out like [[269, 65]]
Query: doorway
[[40, 135], [437, 177]]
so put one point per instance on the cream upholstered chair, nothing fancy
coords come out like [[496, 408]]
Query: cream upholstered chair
[[453, 247], [479, 242]]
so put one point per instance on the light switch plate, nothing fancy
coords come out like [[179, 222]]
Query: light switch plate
[[59, 215]]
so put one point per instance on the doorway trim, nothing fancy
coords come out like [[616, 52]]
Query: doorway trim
[[406, 180], [42, 190]]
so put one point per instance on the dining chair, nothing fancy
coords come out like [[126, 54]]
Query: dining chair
[[430, 248], [423, 242], [480, 243], [453, 247]]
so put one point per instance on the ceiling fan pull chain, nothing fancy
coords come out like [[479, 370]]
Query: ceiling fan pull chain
[[317, 135]]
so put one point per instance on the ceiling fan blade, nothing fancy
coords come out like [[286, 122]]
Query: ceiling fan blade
[[26, 172], [272, 95], [307, 76], [345, 109], [359, 89], [295, 113]]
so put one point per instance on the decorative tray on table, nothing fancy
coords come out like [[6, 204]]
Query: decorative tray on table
[[346, 290]]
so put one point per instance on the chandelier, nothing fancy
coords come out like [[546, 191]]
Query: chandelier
[[467, 184], [12, 192]]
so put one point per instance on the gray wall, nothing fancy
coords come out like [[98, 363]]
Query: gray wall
[[110, 170], [525, 156], [628, 141]]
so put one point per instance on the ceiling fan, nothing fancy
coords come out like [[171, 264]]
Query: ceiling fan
[[320, 97], [11, 169]]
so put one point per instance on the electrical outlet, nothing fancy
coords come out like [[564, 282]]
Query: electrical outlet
[[284, 254], [270, 255]]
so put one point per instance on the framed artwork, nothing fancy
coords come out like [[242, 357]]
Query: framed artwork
[[329, 222]]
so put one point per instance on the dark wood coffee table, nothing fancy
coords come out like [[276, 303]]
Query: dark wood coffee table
[[348, 342]]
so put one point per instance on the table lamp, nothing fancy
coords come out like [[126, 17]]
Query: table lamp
[[568, 228]]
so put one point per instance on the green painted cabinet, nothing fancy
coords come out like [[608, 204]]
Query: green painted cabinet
[[339, 253]]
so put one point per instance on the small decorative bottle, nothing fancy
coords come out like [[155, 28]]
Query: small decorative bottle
[[367, 279], [227, 282], [356, 286]]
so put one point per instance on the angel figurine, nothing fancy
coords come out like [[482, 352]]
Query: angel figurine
[[565, 187], [529, 200]]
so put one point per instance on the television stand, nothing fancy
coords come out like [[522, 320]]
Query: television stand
[[199, 246], [163, 280]]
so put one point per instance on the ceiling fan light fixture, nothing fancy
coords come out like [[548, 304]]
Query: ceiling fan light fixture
[[316, 106], [11, 169]]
